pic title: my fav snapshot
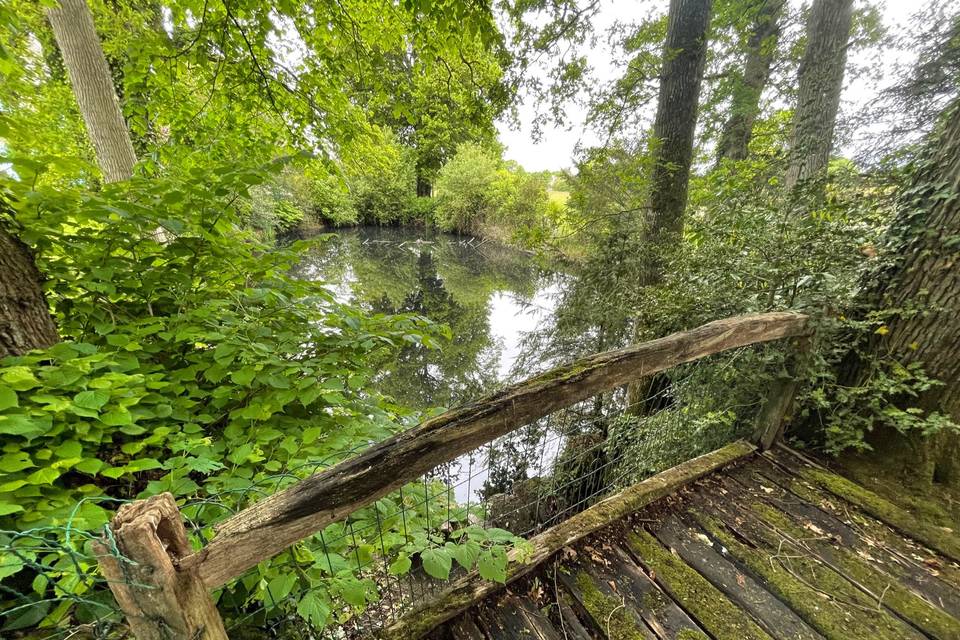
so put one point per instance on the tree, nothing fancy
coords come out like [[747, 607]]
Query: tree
[[684, 55], [919, 293], [25, 321], [749, 85], [76, 36], [820, 83]]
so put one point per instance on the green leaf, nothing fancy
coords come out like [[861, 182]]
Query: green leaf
[[401, 565], [437, 563], [12, 462], [117, 418], [42, 476], [19, 378], [8, 397], [6, 508], [465, 553], [492, 564], [243, 376], [92, 400], [313, 608], [280, 587], [354, 592]]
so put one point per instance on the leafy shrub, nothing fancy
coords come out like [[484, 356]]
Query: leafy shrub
[[466, 189], [195, 365]]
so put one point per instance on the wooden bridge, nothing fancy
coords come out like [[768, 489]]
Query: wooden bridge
[[743, 542], [770, 546]]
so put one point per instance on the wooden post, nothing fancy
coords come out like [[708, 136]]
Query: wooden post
[[778, 407], [141, 564]]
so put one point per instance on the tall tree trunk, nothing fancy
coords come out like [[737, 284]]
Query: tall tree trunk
[[684, 54], [821, 81], [745, 103], [924, 281], [25, 321], [92, 84]]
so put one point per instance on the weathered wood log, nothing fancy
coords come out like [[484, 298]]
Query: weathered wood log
[[273, 524], [778, 407], [160, 601], [470, 589]]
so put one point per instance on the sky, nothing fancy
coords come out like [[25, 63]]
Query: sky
[[555, 150]]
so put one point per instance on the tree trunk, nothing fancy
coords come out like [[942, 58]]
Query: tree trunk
[[92, 84], [924, 282], [821, 81], [25, 321], [684, 55], [745, 104]]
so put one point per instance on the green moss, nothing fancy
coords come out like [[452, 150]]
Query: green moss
[[823, 598], [723, 619], [607, 612], [691, 634], [896, 597], [937, 538], [932, 503]]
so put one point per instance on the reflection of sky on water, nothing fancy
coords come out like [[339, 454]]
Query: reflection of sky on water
[[489, 295]]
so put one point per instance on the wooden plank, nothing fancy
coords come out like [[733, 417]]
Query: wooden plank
[[615, 567], [515, 617], [825, 599], [273, 524], [695, 549], [606, 609], [941, 540], [466, 591], [862, 572], [873, 533], [465, 628], [571, 628], [903, 570]]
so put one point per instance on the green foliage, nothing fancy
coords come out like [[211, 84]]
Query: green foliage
[[192, 363], [465, 189]]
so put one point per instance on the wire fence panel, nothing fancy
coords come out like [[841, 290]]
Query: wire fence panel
[[360, 574]]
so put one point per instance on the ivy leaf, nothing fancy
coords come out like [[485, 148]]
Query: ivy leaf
[[437, 563]]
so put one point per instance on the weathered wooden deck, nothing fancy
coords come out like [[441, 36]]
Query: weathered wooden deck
[[772, 547]]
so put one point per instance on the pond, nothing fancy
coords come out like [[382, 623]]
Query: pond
[[488, 294]]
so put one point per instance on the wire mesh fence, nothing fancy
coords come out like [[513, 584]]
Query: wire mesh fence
[[360, 574]]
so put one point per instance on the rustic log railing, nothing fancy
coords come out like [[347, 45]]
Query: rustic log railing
[[170, 597]]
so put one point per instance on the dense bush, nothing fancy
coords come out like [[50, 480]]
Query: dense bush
[[190, 362]]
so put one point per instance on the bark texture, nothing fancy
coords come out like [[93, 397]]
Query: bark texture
[[25, 321], [924, 283], [684, 55], [820, 84], [745, 105], [92, 84]]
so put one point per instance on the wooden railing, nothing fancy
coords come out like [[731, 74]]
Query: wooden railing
[[170, 595]]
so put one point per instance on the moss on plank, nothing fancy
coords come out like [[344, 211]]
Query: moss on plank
[[607, 612], [895, 596], [691, 634], [717, 614], [939, 539], [823, 598]]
